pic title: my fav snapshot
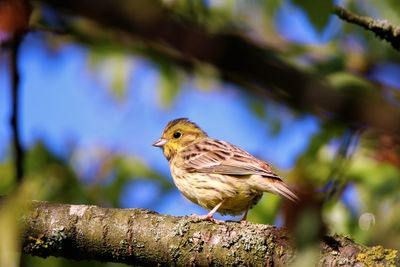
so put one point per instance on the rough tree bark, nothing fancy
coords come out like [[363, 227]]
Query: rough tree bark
[[142, 237]]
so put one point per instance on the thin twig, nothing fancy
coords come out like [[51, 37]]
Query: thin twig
[[382, 28], [336, 183], [18, 151]]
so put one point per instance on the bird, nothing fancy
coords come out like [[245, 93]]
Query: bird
[[215, 174]]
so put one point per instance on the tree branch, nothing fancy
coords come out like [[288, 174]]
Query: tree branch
[[14, 120], [14, 23], [382, 28], [142, 237], [237, 59]]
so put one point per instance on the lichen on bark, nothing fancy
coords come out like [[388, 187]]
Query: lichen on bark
[[145, 238]]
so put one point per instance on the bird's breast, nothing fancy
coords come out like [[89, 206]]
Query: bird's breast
[[209, 189]]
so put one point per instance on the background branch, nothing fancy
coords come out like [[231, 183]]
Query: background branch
[[382, 28], [18, 151], [142, 237], [237, 59], [14, 23]]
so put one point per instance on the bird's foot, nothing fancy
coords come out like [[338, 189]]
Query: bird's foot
[[206, 217], [243, 222]]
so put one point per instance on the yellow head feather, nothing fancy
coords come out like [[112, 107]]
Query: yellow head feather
[[178, 134]]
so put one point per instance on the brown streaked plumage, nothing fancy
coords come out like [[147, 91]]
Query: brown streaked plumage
[[215, 174]]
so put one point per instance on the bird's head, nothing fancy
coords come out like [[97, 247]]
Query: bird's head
[[177, 135]]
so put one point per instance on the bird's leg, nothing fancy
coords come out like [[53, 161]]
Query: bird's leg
[[209, 216], [243, 219]]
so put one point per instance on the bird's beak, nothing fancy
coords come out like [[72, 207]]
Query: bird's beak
[[160, 142]]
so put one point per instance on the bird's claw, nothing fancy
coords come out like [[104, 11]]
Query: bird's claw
[[206, 217], [243, 222]]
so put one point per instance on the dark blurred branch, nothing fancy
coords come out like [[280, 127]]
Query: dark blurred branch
[[141, 237], [15, 82], [14, 23], [382, 28], [238, 60], [336, 184]]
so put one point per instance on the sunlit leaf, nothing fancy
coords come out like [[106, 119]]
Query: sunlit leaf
[[206, 77], [113, 70], [349, 82]]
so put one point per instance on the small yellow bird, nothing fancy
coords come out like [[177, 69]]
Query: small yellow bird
[[215, 174]]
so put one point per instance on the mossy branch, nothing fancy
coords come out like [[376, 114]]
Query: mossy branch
[[382, 28], [142, 237]]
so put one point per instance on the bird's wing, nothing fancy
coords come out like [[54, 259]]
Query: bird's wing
[[214, 156]]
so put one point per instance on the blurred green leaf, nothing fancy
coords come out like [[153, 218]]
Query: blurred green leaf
[[11, 210], [350, 82], [388, 10], [318, 11], [266, 210], [113, 69], [271, 6], [378, 178], [206, 77], [339, 216], [125, 169], [10, 234], [170, 81], [258, 108], [214, 16], [54, 173], [7, 180]]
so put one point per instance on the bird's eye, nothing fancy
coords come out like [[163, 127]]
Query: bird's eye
[[177, 135]]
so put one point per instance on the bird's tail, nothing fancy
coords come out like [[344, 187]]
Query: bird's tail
[[276, 186]]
